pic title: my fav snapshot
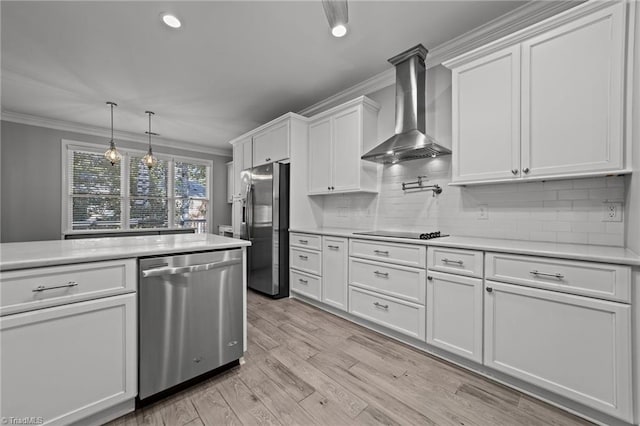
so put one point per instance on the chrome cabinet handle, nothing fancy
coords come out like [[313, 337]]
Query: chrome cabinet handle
[[545, 274], [381, 274], [303, 257], [185, 269], [334, 247], [43, 288], [267, 159], [380, 305], [429, 277], [303, 281], [333, 187], [457, 262], [489, 289], [514, 171], [303, 241], [381, 252], [329, 188], [525, 170]]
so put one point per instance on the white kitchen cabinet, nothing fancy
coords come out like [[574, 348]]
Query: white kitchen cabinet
[[572, 96], [68, 362], [486, 118], [454, 314], [306, 265], [546, 102], [230, 182], [272, 143], [577, 347], [320, 159], [336, 140], [335, 258], [242, 160]]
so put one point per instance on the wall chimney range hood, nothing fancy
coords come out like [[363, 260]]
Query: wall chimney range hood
[[410, 141]]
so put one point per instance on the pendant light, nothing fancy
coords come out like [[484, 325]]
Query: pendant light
[[149, 160], [112, 153]]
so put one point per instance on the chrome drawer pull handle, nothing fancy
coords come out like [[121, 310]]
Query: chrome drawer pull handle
[[334, 247], [382, 252], [303, 281], [457, 262], [381, 274], [43, 288], [303, 257], [545, 274], [379, 305], [303, 241]]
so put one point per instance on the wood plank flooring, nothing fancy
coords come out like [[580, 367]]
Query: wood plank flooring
[[307, 367]]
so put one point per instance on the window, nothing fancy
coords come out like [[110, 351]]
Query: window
[[173, 194]]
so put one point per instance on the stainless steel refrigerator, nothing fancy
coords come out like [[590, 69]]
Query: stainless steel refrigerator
[[266, 224]]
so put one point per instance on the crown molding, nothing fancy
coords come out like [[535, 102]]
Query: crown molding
[[69, 126], [515, 20]]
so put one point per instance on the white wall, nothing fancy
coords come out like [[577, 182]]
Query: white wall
[[31, 180], [559, 211]]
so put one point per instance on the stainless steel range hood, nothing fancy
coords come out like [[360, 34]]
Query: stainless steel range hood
[[410, 141]]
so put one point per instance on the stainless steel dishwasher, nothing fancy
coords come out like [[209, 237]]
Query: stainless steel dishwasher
[[190, 317]]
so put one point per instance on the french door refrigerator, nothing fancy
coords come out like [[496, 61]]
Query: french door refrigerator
[[266, 225]]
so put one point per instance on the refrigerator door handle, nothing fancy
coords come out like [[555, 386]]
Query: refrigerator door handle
[[249, 211]]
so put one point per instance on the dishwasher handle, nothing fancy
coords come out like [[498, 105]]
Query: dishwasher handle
[[193, 268]]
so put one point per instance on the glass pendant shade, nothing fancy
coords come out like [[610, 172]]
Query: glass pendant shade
[[112, 154], [150, 160]]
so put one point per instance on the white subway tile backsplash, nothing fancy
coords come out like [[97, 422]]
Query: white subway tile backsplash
[[567, 211]]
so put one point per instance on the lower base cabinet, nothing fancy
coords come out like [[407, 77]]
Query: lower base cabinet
[[65, 363], [454, 314], [575, 346], [334, 271]]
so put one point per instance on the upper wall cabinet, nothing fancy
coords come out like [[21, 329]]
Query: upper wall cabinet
[[271, 144], [336, 141], [546, 102]]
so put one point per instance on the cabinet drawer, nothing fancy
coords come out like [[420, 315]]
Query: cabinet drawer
[[306, 284], [306, 260], [584, 278], [402, 254], [398, 281], [403, 317], [305, 240], [455, 261], [38, 288]]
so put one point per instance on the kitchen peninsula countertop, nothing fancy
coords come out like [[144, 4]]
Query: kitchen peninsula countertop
[[587, 252], [60, 252]]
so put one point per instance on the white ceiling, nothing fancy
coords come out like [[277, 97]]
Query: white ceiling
[[232, 67]]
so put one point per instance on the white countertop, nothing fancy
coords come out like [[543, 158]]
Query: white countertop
[[59, 252], [618, 255]]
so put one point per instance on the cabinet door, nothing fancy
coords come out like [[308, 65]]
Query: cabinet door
[[320, 156], [486, 118], [68, 362], [572, 96], [334, 271], [230, 181], [454, 314], [271, 144], [574, 346], [241, 161], [247, 154], [347, 149]]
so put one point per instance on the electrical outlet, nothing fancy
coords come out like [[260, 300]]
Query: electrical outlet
[[483, 211], [612, 212]]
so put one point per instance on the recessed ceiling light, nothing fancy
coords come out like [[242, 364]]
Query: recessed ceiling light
[[339, 30], [171, 20]]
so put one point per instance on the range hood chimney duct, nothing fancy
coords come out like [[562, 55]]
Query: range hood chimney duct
[[410, 141]]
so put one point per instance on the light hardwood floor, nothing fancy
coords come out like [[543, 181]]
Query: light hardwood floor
[[305, 366]]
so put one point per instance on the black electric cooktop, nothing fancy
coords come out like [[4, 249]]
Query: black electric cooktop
[[401, 234]]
